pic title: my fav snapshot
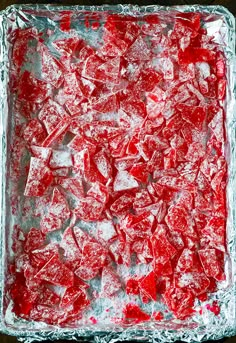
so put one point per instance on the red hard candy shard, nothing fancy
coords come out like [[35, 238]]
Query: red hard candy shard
[[120, 149], [56, 273], [133, 314], [110, 283], [39, 178]]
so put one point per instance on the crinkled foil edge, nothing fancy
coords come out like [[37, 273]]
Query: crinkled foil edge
[[154, 333]]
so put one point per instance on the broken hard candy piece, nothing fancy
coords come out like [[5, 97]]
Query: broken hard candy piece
[[56, 273]]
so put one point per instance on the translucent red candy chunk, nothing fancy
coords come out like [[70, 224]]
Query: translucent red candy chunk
[[179, 301], [51, 114], [124, 181], [94, 257], [71, 295], [210, 263], [72, 252], [119, 138], [56, 273], [163, 251], [148, 286], [89, 209], [51, 69], [110, 283], [32, 89], [35, 239], [34, 132], [58, 212], [39, 178]]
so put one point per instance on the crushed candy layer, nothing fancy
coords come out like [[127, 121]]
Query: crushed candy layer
[[118, 172]]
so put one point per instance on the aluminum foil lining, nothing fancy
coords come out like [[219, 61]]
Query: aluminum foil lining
[[199, 327]]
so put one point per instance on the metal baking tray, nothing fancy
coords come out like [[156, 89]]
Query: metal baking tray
[[47, 18]]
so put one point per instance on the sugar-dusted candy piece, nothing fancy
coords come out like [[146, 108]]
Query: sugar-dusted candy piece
[[34, 133], [51, 114], [123, 203], [21, 40], [56, 273], [41, 152], [50, 223], [105, 231], [193, 55], [180, 301], [31, 89], [132, 286], [195, 116], [47, 314], [89, 209], [35, 239], [103, 164], [137, 226], [57, 131], [210, 263], [70, 296], [138, 51], [23, 298], [72, 185], [57, 213], [142, 199], [140, 172], [72, 251], [94, 257], [214, 231], [39, 178], [51, 68], [110, 282], [80, 304], [143, 250], [124, 181], [163, 251], [216, 125], [47, 297], [197, 283], [67, 46], [188, 262], [41, 256], [99, 192], [69, 92], [177, 218], [82, 238]]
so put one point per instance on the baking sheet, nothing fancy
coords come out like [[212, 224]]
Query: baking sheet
[[200, 327]]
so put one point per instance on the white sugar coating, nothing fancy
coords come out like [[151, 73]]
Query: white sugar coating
[[204, 69], [213, 28], [185, 280], [196, 92], [184, 42], [102, 164], [106, 230], [50, 69], [60, 158], [126, 272], [217, 125], [124, 181]]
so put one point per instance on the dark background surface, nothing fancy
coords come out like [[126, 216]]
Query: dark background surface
[[230, 4]]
